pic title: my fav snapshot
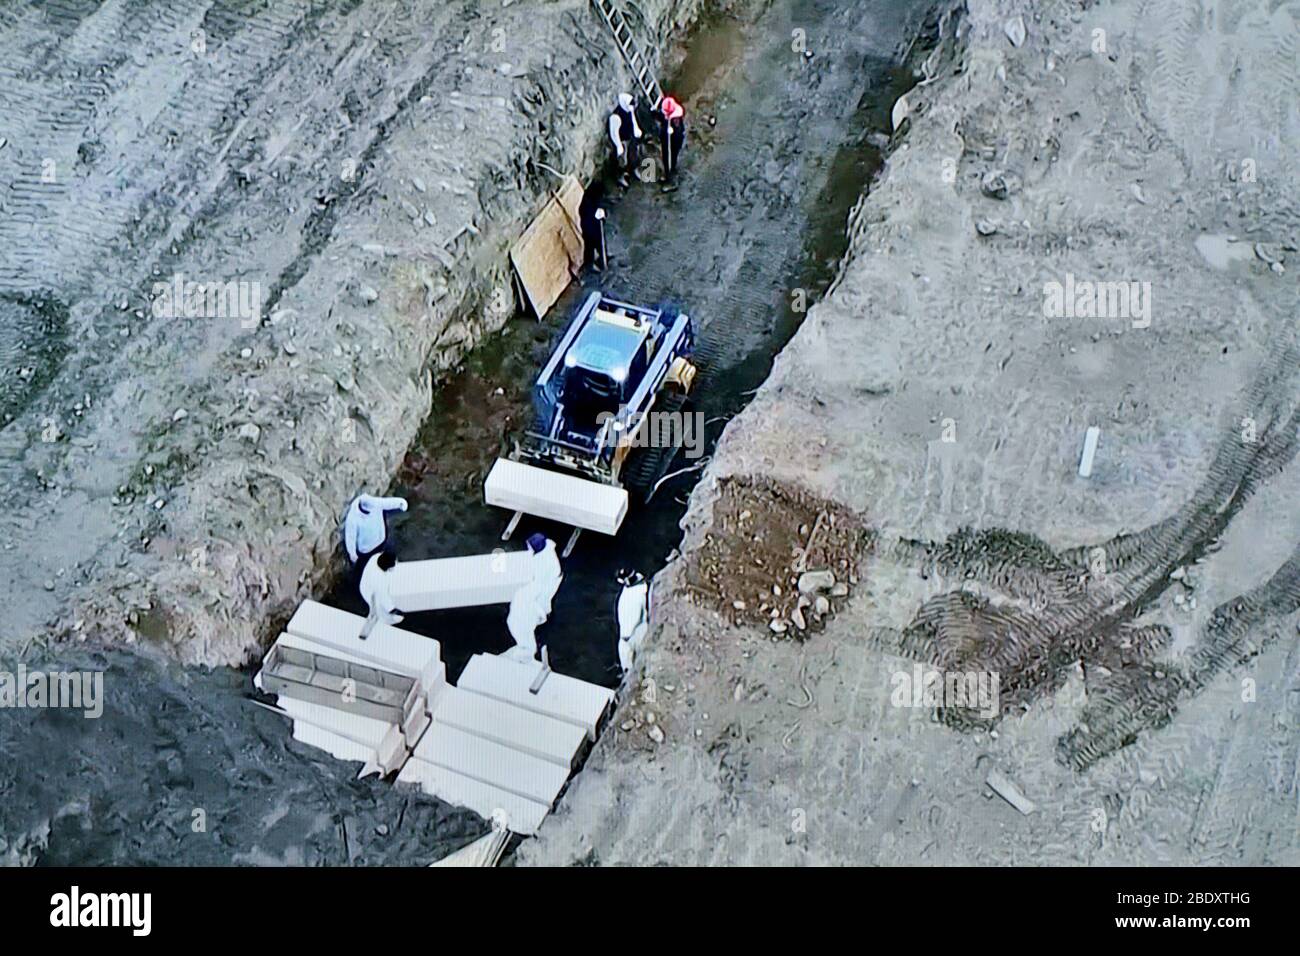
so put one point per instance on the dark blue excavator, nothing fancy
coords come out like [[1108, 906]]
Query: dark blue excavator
[[591, 404]]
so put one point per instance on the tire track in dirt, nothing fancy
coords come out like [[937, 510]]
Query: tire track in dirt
[[1029, 613]]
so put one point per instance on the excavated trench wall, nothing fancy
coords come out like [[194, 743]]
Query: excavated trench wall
[[400, 267]]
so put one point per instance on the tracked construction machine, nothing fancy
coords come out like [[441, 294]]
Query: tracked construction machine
[[591, 404]]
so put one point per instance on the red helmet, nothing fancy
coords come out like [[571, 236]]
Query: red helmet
[[671, 108]]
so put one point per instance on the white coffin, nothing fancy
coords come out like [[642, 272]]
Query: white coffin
[[492, 763], [431, 690], [555, 741], [521, 814], [561, 697], [459, 582], [388, 648], [346, 736], [549, 494]]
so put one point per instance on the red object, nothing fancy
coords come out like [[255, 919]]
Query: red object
[[671, 108]]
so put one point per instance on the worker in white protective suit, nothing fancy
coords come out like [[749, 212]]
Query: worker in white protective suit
[[364, 527], [376, 591], [633, 614], [531, 604]]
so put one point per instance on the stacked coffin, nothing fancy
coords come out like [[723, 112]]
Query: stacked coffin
[[365, 700], [508, 753], [503, 743]]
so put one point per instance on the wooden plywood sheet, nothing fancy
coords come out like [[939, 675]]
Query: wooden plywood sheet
[[550, 251]]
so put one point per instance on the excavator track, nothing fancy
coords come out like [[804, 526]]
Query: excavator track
[[648, 465]]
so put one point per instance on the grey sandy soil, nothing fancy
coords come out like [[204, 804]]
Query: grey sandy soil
[[363, 166], [1144, 620]]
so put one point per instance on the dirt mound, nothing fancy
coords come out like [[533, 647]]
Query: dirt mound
[[777, 555]]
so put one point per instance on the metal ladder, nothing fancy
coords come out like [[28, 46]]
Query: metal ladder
[[618, 25]]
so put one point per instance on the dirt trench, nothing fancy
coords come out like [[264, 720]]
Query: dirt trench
[[782, 144], [1143, 618], [334, 186], [361, 169]]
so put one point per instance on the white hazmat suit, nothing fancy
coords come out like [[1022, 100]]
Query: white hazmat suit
[[364, 529], [377, 593], [633, 613], [531, 604], [625, 114]]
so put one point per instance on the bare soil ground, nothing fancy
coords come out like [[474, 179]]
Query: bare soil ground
[[361, 167], [771, 552], [175, 483], [1143, 621]]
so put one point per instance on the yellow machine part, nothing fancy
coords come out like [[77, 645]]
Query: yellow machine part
[[681, 373]]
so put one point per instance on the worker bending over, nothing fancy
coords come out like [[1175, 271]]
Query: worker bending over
[[624, 133], [531, 604], [365, 529], [376, 590], [672, 137]]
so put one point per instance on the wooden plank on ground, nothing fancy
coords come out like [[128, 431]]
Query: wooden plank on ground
[[550, 252]]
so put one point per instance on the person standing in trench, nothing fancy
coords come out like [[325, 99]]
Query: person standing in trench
[[672, 138], [625, 134], [591, 216], [365, 530]]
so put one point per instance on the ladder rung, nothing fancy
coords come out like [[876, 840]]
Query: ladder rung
[[625, 40]]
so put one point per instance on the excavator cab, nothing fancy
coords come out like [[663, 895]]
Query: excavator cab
[[591, 398]]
